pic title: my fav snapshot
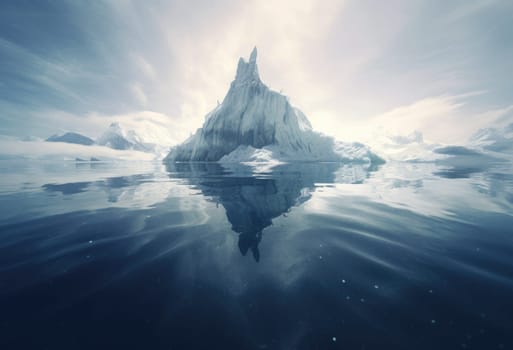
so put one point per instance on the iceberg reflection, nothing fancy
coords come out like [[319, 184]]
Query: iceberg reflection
[[252, 200]]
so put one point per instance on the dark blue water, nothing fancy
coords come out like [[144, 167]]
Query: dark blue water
[[305, 256]]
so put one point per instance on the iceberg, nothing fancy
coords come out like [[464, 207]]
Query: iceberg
[[257, 124]]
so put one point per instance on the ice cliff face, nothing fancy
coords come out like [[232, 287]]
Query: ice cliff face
[[254, 120]]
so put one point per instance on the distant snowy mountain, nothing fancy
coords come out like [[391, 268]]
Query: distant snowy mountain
[[71, 137], [256, 124], [151, 137], [116, 137]]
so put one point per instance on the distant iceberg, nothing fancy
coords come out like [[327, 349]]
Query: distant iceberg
[[256, 124], [116, 137]]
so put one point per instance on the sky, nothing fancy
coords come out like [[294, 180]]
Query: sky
[[443, 68]]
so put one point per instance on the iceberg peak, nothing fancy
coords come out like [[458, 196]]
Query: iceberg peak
[[115, 127], [253, 56], [248, 71]]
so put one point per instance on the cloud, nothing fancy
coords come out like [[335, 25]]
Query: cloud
[[144, 66], [469, 9], [429, 116], [445, 119], [433, 116], [441, 119], [139, 94]]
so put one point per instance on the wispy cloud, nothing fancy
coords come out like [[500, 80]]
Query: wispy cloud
[[440, 119]]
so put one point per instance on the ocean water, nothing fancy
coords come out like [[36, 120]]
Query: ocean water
[[302, 256]]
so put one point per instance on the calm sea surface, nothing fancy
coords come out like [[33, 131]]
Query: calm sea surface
[[303, 256]]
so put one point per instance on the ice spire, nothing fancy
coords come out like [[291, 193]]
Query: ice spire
[[248, 71], [253, 56]]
